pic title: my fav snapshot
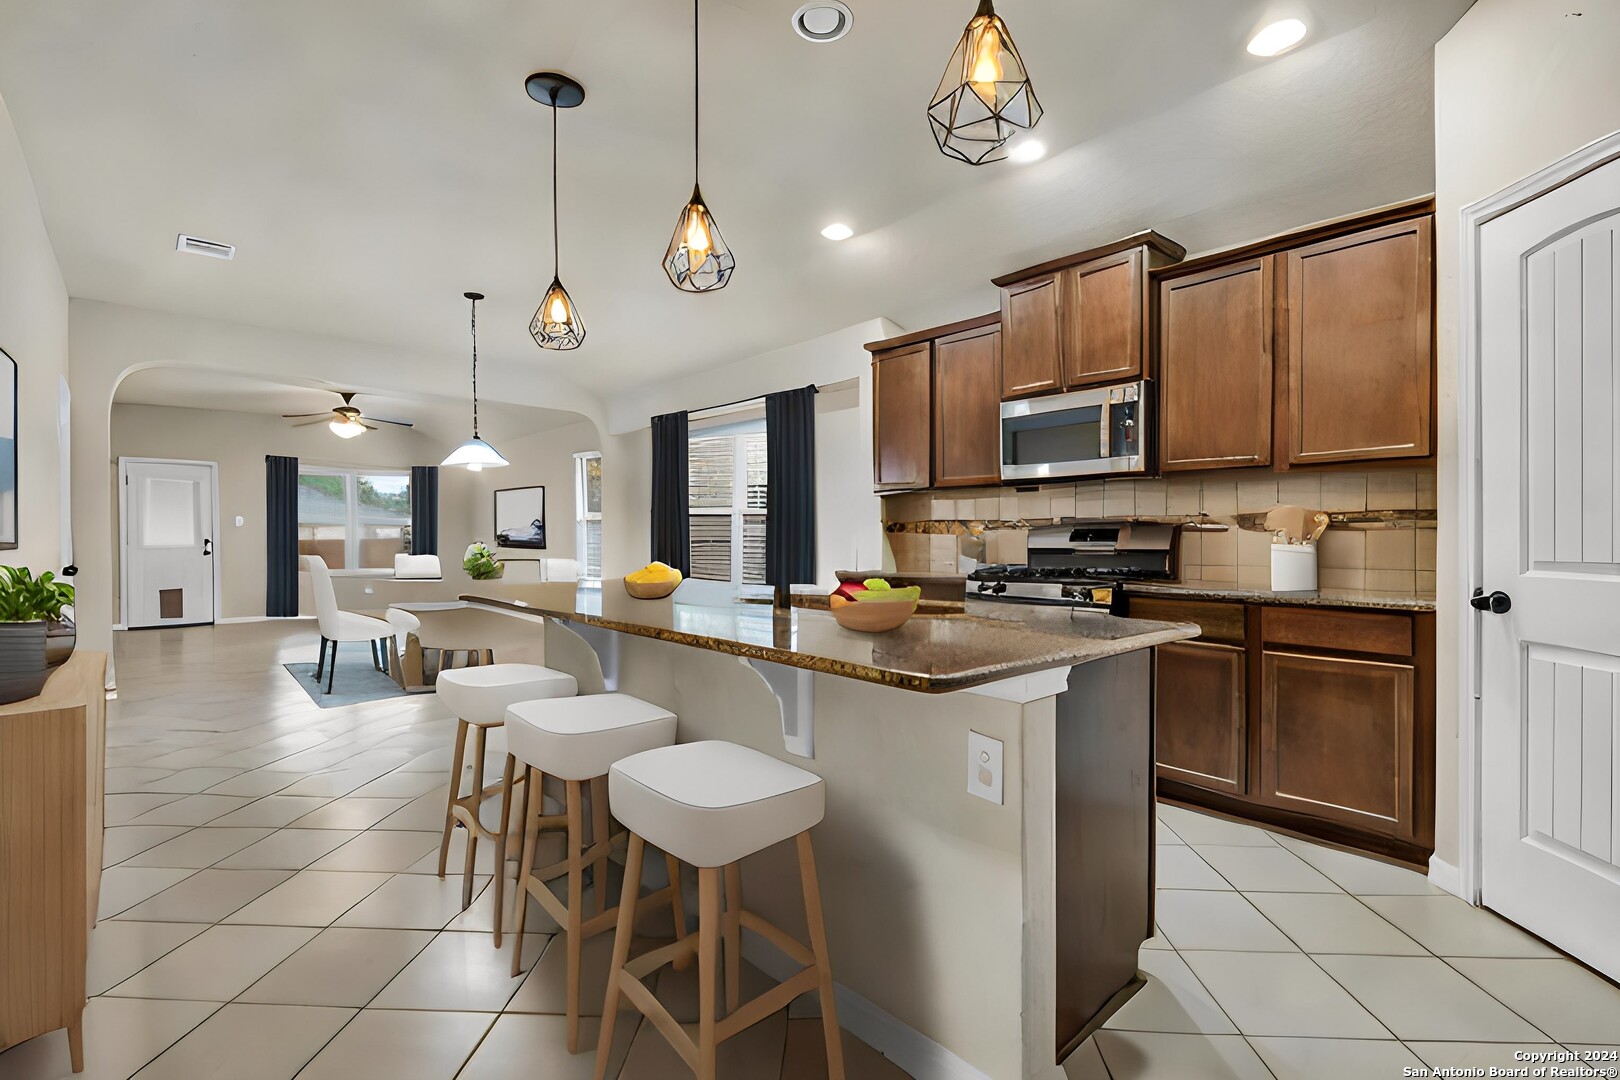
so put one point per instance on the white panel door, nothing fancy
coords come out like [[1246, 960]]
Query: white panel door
[[168, 543], [1550, 539]]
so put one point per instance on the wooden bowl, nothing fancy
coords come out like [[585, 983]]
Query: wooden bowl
[[872, 616], [650, 590]]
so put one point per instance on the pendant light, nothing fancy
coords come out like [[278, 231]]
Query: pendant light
[[556, 323], [698, 259], [985, 96], [475, 453]]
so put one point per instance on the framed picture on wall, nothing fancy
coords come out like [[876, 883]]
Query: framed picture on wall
[[8, 451], [520, 517]]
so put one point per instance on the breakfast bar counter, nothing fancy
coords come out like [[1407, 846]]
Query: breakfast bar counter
[[986, 858]]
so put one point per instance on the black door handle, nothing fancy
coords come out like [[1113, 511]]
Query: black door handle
[[1497, 603], [208, 547]]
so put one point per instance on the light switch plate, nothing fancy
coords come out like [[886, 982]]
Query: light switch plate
[[239, 522], [984, 767]]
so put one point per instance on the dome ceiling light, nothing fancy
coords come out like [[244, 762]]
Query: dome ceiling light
[[985, 96], [1277, 38], [556, 324]]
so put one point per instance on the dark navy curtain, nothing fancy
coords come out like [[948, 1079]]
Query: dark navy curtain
[[424, 509], [671, 539], [281, 536], [790, 487]]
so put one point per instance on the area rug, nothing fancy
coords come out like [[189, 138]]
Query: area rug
[[356, 680]]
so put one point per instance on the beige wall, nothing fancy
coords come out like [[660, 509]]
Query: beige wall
[[34, 331], [1519, 84], [467, 499], [238, 442]]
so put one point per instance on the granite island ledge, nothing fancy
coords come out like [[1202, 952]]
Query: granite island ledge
[[930, 653]]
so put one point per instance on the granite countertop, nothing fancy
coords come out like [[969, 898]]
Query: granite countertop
[[1226, 590], [929, 654]]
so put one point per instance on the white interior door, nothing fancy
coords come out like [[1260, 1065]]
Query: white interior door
[[168, 543], [1549, 325]]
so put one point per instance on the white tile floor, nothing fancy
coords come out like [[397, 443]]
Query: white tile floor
[[271, 909]]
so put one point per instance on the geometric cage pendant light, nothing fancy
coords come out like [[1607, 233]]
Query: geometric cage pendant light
[[697, 259], [985, 96], [556, 323], [475, 453]]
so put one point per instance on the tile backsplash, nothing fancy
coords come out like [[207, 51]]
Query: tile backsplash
[[1383, 537]]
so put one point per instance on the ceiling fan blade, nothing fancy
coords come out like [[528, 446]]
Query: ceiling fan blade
[[317, 420], [365, 425], [303, 416], [380, 420]]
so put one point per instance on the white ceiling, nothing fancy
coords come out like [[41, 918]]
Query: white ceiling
[[443, 420], [372, 160]]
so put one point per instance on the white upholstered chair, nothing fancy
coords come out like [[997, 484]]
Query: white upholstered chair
[[339, 626]]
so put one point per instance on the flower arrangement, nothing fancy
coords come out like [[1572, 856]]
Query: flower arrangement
[[480, 562]]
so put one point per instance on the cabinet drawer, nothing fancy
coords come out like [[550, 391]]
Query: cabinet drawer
[[1342, 631], [1218, 621]]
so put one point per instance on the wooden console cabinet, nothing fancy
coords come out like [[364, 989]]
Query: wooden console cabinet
[[1314, 719], [52, 780]]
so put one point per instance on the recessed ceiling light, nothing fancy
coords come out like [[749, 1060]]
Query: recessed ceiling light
[[822, 21], [196, 245], [838, 231], [1027, 150], [1278, 38]]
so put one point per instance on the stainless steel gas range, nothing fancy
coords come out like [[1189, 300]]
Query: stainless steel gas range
[[1077, 565]]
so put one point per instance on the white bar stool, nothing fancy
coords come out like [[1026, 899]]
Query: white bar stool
[[711, 804], [479, 697], [577, 740]]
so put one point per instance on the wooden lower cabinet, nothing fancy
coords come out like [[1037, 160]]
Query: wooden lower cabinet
[[1315, 720], [1201, 717], [1336, 739]]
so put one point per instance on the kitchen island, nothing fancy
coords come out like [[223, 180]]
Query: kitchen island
[[970, 937]]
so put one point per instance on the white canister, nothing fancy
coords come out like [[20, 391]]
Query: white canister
[[1293, 567]]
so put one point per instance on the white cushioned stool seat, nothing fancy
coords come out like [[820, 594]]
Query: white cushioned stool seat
[[580, 738], [711, 803], [481, 695]]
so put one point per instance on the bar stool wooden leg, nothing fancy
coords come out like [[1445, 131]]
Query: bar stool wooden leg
[[600, 824], [621, 951], [733, 937], [677, 907], [818, 947], [455, 793], [500, 847], [708, 963], [576, 903], [532, 812], [479, 734]]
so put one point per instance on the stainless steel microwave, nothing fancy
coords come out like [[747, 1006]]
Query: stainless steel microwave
[[1101, 432]]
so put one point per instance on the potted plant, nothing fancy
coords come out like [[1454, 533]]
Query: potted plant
[[480, 562], [27, 605]]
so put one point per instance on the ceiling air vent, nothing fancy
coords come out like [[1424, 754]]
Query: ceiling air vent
[[822, 21], [196, 245]]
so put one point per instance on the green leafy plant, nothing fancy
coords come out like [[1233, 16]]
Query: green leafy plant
[[480, 562], [23, 598]]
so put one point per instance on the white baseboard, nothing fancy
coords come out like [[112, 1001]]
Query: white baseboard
[[1445, 876], [261, 618], [902, 1044]]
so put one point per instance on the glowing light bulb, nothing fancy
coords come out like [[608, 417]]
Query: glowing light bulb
[[698, 244], [346, 429], [987, 70], [559, 309], [474, 467]]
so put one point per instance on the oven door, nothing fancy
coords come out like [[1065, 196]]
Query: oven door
[[1086, 433]]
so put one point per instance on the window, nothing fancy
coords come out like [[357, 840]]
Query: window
[[351, 519], [726, 480], [588, 514]]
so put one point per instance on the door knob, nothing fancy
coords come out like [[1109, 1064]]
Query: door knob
[[1497, 603], [208, 547]]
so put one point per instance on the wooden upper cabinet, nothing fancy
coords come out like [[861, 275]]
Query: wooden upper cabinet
[[1358, 345], [902, 417], [967, 413], [1031, 359], [1100, 320], [1215, 367]]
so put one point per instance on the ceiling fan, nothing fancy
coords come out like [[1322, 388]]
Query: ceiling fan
[[345, 420]]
